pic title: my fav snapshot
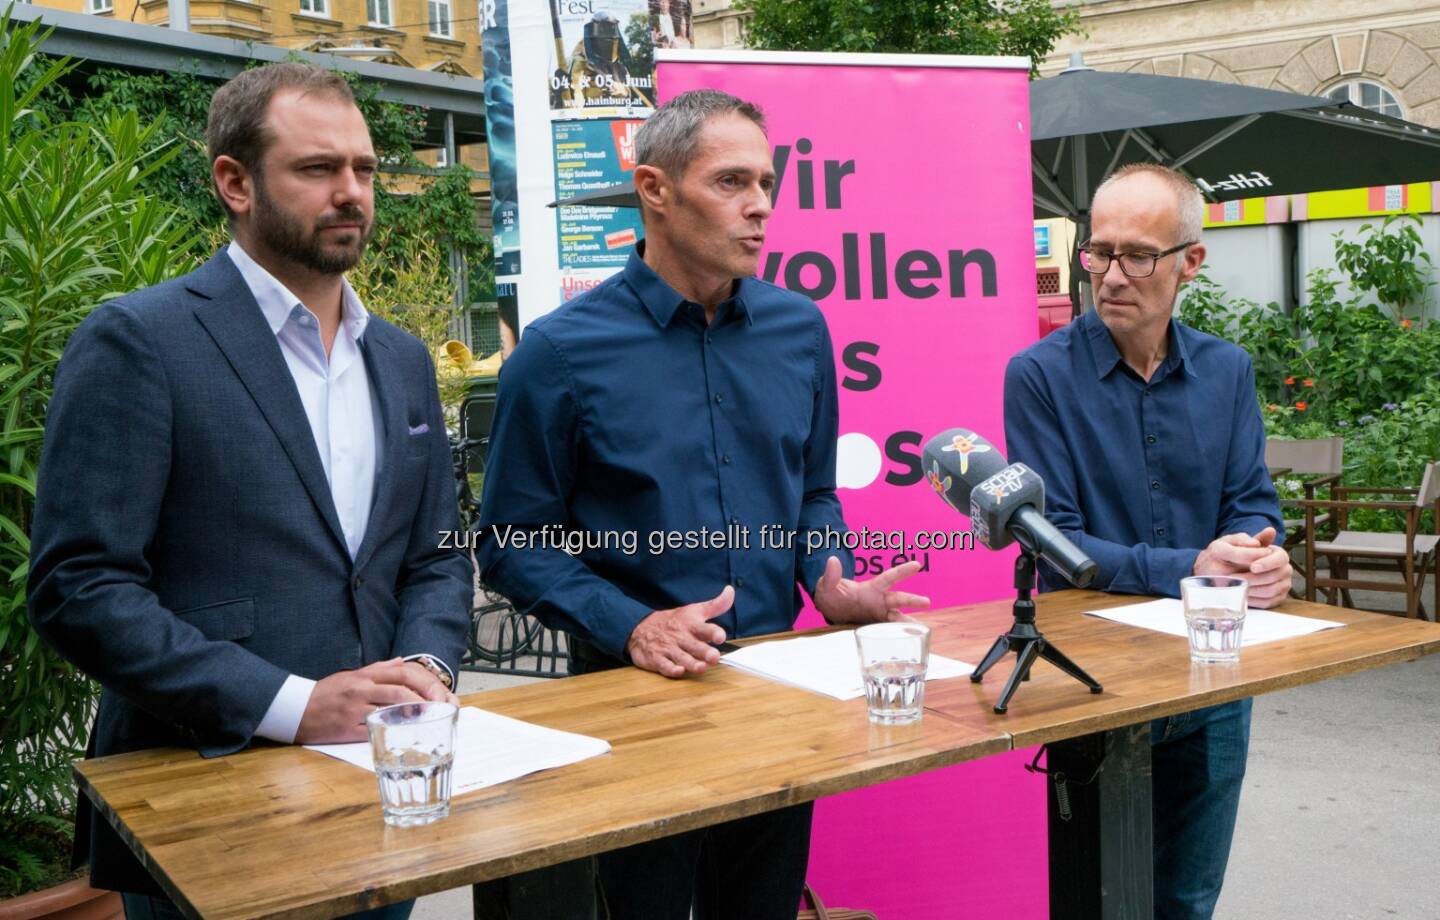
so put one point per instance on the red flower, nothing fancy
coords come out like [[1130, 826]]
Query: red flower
[[1290, 381], [1301, 405], [1308, 382], [1405, 324]]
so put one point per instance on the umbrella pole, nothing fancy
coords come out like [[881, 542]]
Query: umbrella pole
[[1081, 296]]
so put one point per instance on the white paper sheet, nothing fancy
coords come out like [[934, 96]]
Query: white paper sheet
[[827, 664], [491, 749], [1168, 616]]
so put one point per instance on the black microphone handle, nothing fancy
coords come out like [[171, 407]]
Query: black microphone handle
[[1038, 534]]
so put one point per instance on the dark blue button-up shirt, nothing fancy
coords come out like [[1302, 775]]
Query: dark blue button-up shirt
[[1142, 475], [623, 417]]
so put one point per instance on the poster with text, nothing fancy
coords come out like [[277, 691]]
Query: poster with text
[[604, 53], [591, 155], [914, 234], [500, 134]]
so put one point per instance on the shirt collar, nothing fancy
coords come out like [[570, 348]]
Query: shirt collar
[[279, 305], [1107, 356], [662, 301]]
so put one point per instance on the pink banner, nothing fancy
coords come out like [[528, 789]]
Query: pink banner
[[904, 209]]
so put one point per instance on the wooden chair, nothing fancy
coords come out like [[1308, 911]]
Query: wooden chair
[[1412, 551], [1321, 459]]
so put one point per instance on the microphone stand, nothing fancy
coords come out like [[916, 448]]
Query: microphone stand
[[1024, 638]]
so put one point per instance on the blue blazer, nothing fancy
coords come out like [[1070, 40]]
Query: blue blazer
[[185, 550]]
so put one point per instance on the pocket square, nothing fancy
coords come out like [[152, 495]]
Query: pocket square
[[419, 429]]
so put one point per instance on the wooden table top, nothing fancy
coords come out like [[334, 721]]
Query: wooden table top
[[286, 832]]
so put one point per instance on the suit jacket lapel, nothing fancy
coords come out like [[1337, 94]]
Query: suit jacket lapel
[[228, 311], [386, 373]]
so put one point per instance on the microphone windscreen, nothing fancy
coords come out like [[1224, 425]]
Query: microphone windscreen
[[956, 461]]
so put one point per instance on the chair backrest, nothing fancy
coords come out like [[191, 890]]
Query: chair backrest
[[1312, 456], [1429, 487]]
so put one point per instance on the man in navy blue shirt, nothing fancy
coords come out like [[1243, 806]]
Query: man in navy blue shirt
[[662, 475], [1149, 439]]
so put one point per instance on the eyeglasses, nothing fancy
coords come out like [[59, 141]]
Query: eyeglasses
[[1133, 264]]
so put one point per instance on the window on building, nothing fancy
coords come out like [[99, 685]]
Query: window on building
[[99, 6], [315, 7], [1367, 95], [442, 158], [379, 12], [440, 18]]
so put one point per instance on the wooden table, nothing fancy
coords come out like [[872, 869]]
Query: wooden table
[[285, 832]]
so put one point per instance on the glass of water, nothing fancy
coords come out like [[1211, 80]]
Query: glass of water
[[893, 659], [1214, 616], [414, 746]]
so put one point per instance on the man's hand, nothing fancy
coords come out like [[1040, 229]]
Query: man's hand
[[680, 640], [844, 600], [339, 703], [1256, 559]]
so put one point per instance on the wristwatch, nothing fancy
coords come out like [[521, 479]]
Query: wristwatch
[[433, 665]]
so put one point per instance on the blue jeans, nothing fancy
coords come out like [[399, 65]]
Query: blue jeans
[[1197, 762], [144, 907]]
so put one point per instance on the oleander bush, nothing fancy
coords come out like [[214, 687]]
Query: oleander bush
[[76, 228]]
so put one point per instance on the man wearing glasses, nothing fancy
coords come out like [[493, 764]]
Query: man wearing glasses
[[1149, 438]]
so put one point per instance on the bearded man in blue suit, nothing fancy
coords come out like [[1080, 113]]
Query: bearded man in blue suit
[[246, 477]]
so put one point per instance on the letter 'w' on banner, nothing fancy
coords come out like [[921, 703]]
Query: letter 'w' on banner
[[903, 207]]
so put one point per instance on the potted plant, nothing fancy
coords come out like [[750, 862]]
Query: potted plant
[[76, 228]]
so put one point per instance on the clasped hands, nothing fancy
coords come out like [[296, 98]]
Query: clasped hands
[[1256, 559], [682, 640]]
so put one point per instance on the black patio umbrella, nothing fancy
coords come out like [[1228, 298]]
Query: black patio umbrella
[[1234, 141]]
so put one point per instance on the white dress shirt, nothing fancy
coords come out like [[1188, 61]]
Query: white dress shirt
[[341, 408]]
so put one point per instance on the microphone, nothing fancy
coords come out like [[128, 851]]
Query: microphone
[[1005, 504]]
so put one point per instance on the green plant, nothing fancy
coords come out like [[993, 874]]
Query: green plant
[[405, 281], [1390, 262], [76, 228], [1028, 28]]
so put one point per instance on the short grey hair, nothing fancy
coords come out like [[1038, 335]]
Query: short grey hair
[[1190, 214], [669, 139]]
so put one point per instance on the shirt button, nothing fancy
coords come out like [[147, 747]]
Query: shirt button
[[734, 519], [719, 398], [359, 580], [740, 582], [725, 459], [707, 339], [1150, 439], [1147, 392], [1159, 531], [1154, 483]]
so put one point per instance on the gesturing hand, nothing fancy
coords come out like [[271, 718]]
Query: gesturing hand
[[844, 600], [339, 703], [1256, 559], [678, 641]]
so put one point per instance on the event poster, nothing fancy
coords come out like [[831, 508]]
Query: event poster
[[591, 155], [500, 134], [915, 236], [603, 61]]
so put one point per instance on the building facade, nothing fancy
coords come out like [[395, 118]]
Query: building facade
[[439, 35], [1383, 54]]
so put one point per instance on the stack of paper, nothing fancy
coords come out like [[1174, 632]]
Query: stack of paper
[[491, 749], [1168, 616], [827, 664]]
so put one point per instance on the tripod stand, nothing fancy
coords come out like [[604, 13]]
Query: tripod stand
[[1025, 640]]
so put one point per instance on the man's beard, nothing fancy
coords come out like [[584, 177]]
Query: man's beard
[[286, 236]]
